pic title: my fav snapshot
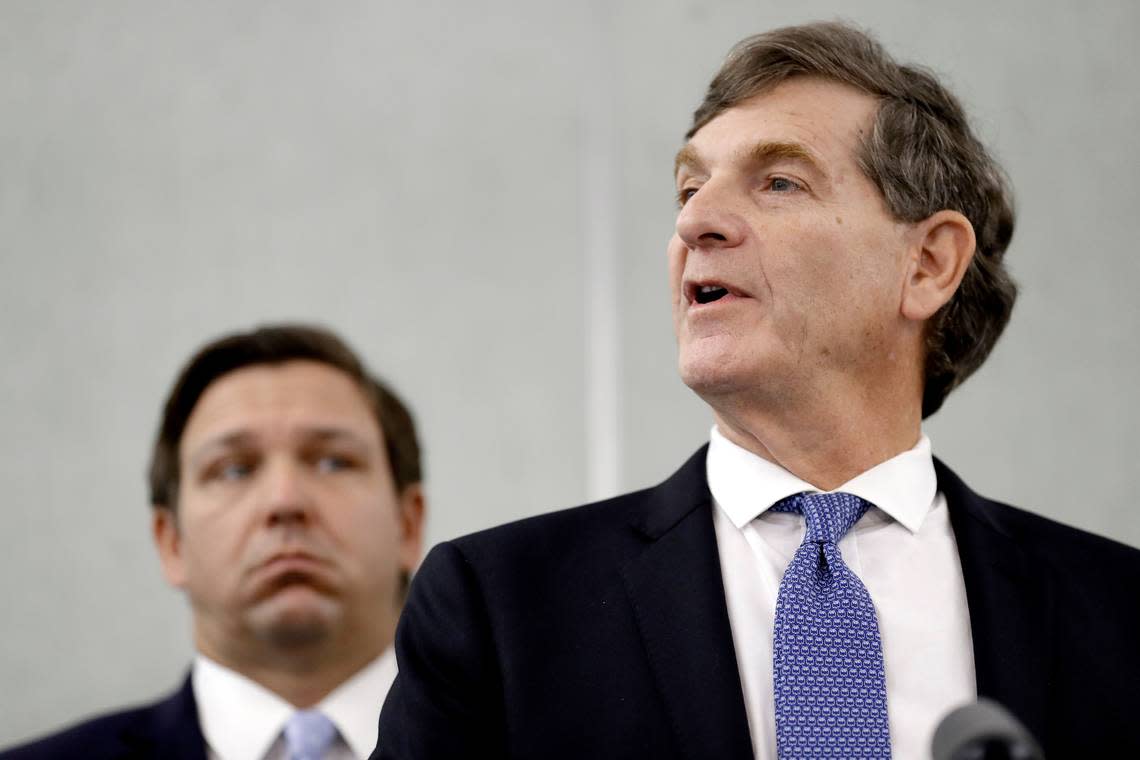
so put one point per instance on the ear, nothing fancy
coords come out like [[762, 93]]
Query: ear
[[412, 509], [944, 246], [168, 542]]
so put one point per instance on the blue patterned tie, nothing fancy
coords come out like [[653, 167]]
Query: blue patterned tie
[[309, 735], [831, 693]]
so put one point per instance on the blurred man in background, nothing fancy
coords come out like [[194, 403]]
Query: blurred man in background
[[287, 503]]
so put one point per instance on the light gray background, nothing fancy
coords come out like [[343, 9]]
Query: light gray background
[[478, 195]]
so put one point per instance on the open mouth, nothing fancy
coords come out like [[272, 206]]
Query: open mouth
[[709, 293]]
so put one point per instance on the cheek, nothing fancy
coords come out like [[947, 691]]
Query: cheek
[[369, 531], [211, 559], [375, 554], [220, 530], [808, 283], [676, 271], [676, 253], [848, 295], [221, 539], [828, 265]]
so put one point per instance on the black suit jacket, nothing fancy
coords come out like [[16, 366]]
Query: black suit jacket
[[603, 632], [166, 730]]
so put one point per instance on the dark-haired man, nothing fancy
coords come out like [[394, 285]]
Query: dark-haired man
[[812, 583], [285, 484]]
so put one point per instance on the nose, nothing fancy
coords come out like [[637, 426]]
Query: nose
[[709, 221], [287, 498]]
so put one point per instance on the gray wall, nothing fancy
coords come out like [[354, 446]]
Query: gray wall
[[478, 195]]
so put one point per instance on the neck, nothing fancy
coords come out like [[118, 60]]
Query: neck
[[823, 444], [302, 675]]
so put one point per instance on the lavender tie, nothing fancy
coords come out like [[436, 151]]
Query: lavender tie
[[309, 734], [831, 693]]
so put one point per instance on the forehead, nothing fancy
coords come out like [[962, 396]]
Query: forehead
[[281, 397], [827, 119]]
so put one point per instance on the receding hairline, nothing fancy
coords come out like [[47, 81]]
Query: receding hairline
[[787, 149]]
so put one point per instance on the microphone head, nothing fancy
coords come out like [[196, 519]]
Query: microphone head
[[983, 730]]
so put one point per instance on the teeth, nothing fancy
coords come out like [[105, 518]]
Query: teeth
[[709, 293]]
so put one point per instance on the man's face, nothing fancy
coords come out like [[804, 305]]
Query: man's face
[[780, 226], [289, 528]]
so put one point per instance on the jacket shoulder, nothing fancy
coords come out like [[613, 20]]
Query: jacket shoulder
[[143, 731], [581, 520], [104, 736], [1059, 535], [599, 527], [1077, 554]]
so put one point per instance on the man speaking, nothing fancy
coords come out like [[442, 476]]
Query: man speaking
[[813, 583]]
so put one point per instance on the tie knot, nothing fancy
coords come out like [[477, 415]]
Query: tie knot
[[309, 734], [828, 516]]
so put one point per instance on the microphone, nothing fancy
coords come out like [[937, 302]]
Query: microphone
[[983, 730]]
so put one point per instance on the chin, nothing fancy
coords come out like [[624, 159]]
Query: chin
[[712, 372], [295, 617]]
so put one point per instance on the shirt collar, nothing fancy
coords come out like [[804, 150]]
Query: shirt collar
[[354, 705], [745, 485], [241, 718]]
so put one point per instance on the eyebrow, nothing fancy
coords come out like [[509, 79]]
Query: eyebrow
[[788, 151], [761, 152], [687, 157], [243, 438]]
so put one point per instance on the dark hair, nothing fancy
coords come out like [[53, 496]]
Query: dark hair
[[276, 344], [923, 157]]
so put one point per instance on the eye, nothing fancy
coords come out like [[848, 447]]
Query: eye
[[234, 471], [684, 194], [229, 470], [333, 463], [783, 185]]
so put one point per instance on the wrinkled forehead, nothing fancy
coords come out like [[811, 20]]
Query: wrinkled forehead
[[689, 158], [811, 119]]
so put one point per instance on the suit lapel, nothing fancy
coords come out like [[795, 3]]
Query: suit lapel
[[677, 593], [1009, 605], [178, 734]]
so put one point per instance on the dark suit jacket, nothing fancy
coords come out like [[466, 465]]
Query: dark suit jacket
[[602, 632], [166, 730]]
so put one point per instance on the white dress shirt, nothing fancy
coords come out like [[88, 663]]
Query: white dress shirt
[[242, 720], [903, 551]]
